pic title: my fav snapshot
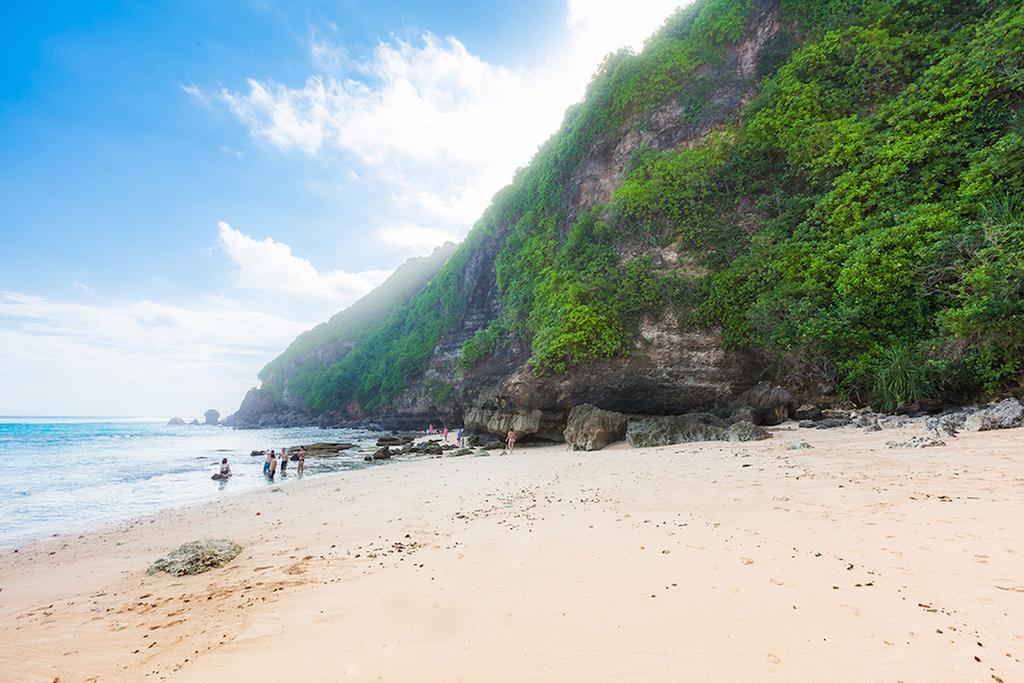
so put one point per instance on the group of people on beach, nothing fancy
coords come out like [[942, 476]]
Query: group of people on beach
[[460, 437], [275, 462], [272, 464]]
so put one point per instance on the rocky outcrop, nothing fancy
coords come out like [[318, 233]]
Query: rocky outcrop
[[664, 430], [212, 417], [196, 557], [808, 411], [590, 428], [747, 431], [537, 423], [770, 405], [1006, 414], [261, 408], [175, 422], [669, 369]]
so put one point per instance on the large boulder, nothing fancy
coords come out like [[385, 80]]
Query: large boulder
[[175, 422], [196, 557], [808, 411], [590, 428], [770, 405], [663, 430], [212, 417], [1006, 414], [523, 421]]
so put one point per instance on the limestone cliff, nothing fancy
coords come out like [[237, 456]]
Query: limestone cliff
[[756, 195]]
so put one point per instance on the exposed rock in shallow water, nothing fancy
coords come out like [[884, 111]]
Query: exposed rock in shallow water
[[197, 557], [590, 428], [394, 440], [175, 422]]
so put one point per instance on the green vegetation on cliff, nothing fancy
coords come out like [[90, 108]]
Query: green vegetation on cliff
[[861, 220]]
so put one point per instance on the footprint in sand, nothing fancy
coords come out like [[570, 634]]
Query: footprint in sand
[[773, 659]]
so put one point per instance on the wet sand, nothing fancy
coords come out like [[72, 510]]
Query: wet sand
[[848, 561]]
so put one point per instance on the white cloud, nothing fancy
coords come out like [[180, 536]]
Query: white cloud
[[415, 237], [82, 286], [270, 266], [598, 27], [140, 355], [439, 126]]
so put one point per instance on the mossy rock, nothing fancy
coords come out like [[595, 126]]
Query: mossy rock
[[196, 557]]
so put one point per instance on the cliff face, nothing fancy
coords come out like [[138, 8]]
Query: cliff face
[[754, 196], [668, 370], [285, 395]]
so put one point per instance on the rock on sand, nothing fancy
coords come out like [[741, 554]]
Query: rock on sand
[[197, 557]]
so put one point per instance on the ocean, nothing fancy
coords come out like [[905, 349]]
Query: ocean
[[70, 474]]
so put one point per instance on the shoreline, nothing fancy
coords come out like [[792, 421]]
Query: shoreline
[[63, 477], [711, 560]]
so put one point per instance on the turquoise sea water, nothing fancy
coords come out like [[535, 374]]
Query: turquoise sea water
[[63, 475]]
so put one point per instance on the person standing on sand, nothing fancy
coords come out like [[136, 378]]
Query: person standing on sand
[[445, 432], [459, 439], [284, 460], [302, 461], [273, 465], [430, 429], [510, 440]]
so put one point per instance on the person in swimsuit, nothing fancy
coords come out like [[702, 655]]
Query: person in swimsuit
[[266, 465], [273, 465], [284, 461], [302, 460], [445, 432], [225, 471], [510, 440]]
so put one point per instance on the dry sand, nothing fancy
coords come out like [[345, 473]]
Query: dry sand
[[846, 562]]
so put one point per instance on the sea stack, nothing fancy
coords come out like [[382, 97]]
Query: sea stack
[[212, 417]]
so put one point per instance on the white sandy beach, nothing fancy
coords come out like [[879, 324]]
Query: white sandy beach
[[846, 562]]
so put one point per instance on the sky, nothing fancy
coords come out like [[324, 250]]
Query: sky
[[185, 186]]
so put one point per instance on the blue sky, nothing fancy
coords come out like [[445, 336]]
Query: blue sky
[[185, 186]]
